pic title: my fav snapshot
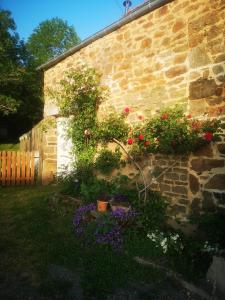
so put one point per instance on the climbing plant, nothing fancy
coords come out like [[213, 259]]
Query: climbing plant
[[78, 97], [170, 132]]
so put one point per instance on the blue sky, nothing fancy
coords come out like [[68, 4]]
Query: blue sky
[[87, 16]]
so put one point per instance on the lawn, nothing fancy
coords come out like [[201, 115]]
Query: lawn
[[11, 147], [36, 233]]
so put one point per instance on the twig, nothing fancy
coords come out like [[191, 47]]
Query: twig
[[157, 177], [137, 166]]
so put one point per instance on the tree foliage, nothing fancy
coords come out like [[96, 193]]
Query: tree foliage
[[20, 84], [50, 39]]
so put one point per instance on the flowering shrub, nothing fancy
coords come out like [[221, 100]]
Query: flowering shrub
[[166, 242], [173, 132], [106, 230]]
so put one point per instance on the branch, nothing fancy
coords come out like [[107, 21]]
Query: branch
[[157, 177], [137, 166]]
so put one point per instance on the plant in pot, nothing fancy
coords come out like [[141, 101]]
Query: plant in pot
[[120, 201], [102, 202]]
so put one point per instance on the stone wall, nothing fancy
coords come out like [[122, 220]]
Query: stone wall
[[193, 183], [42, 138], [174, 54]]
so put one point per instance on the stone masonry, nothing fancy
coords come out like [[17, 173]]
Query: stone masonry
[[173, 54]]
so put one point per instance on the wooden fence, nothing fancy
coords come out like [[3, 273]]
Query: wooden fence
[[17, 168]]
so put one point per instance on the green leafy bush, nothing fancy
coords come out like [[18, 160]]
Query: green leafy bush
[[113, 127], [153, 213], [107, 161]]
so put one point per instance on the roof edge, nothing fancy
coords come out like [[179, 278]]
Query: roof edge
[[134, 14]]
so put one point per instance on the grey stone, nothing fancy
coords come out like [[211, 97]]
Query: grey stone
[[208, 203], [179, 190], [195, 205], [221, 78], [198, 57], [200, 165], [217, 182], [194, 183], [216, 275], [220, 197], [202, 88], [217, 69]]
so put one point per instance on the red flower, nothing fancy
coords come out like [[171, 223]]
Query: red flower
[[141, 137], [208, 136], [147, 143], [164, 117], [130, 141], [126, 110], [189, 116]]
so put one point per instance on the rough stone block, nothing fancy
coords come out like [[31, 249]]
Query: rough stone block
[[198, 57], [179, 24], [221, 148], [204, 164], [195, 206], [204, 151], [217, 182], [202, 88], [176, 71], [208, 203], [179, 190], [194, 183]]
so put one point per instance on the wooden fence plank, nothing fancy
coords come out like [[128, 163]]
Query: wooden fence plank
[[8, 167], [32, 166], [13, 177], [3, 167], [27, 173], [23, 167], [18, 168]]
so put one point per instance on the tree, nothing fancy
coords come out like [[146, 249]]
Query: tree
[[9, 62], [50, 39], [20, 85]]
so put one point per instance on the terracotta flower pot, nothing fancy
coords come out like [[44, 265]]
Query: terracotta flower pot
[[102, 205]]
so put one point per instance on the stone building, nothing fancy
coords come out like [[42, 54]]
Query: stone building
[[163, 52]]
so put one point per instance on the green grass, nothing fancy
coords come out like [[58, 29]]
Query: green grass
[[12, 147], [36, 231]]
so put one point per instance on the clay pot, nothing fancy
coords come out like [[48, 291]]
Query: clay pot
[[102, 205]]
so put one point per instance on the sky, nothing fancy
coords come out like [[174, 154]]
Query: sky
[[87, 16]]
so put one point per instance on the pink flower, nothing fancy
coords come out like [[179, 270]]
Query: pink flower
[[130, 141], [141, 137], [208, 136], [140, 117], [126, 110], [147, 143], [164, 116], [220, 110]]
